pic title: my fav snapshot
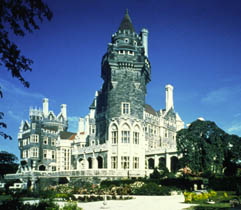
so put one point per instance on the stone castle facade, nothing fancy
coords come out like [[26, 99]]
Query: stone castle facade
[[121, 136]]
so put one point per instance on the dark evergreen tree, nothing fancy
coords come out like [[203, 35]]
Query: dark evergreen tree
[[203, 146]]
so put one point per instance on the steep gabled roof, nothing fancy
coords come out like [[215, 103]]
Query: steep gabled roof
[[126, 23], [150, 110]]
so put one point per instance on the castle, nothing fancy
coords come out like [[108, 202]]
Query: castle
[[122, 136]]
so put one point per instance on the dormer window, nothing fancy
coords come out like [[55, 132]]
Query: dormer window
[[130, 53], [121, 52], [135, 43], [126, 40]]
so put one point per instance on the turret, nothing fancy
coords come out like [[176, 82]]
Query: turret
[[144, 37], [45, 107], [169, 97], [64, 111]]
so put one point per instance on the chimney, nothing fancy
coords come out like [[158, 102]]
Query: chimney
[[64, 111], [45, 107], [81, 125], [144, 37], [169, 97]]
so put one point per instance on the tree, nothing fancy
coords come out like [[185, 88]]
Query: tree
[[8, 163], [233, 155], [18, 17], [203, 146]]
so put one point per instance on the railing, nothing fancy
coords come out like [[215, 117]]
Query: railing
[[80, 173]]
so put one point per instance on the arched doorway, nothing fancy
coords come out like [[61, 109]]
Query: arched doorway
[[174, 164], [100, 162], [80, 163], [151, 164], [42, 168], [162, 162], [90, 162]]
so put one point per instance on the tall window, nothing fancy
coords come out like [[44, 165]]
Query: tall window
[[45, 153], [114, 134], [45, 141], [125, 162], [125, 136], [135, 162], [53, 142], [34, 152], [34, 138], [114, 162], [53, 154], [136, 137], [125, 108]]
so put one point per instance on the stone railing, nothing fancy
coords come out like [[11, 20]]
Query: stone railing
[[79, 173]]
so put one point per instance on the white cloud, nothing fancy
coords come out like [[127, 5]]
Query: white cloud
[[235, 128], [11, 88], [221, 95], [14, 116], [216, 96]]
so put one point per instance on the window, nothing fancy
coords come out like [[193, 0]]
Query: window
[[114, 134], [125, 108], [53, 142], [34, 138], [25, 142], [135, 43], [34, 152], [53, 154], [136, 137], [45, 140], [125, 162], [114, 162], [125, 136], [45, 153], [126, 40], [130, 53], [121, 52], [33, 126], [135, 162], [25, 154]]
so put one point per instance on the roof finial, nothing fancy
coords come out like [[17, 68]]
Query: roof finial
[[127, 11]]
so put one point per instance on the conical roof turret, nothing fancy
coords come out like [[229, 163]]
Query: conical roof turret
[[126, 23]]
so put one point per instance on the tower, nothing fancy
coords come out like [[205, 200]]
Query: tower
[[126, 70]]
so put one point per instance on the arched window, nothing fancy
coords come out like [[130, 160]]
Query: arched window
[[114, 134], [90, 162], [125, 134], [136, 135], [100, 162]]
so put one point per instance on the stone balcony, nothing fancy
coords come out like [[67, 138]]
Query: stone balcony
[[101, 173]]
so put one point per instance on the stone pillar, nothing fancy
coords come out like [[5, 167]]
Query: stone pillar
[[94, 162], [156, 162], [168, 162]]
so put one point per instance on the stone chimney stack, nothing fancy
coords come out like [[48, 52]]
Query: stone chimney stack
[[169, 97], [45, 107], [81, 125], [144, 36], [64, 111]]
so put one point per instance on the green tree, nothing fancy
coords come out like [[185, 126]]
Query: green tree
[[233, 155], [18, 17], [8, 163], [203, 146]]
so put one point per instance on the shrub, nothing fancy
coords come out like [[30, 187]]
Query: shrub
[[71, 206], [152, 189]]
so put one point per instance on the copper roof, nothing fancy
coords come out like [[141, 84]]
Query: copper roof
[[67, 135]]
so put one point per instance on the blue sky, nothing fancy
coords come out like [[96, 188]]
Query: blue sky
[[193, 45]]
